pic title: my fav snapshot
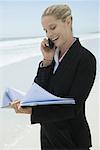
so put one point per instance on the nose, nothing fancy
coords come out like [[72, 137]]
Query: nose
[[49, 34]]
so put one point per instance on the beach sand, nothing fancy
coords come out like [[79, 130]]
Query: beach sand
[[16, 131]]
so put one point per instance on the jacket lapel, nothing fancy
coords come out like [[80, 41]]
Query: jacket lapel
[[68, 58]]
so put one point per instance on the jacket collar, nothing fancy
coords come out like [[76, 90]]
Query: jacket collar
[[69, 56]]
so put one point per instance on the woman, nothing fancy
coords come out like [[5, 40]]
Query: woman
[[67, 70]]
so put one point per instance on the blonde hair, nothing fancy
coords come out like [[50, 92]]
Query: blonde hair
[[58, 11]]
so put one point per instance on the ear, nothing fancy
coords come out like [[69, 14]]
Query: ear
[[69, 20]]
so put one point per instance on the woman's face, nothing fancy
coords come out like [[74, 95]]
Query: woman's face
[[58, 31]]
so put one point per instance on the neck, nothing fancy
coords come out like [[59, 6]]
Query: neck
[[66, 46]]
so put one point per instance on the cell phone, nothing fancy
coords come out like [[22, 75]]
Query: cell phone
[[50, 44]]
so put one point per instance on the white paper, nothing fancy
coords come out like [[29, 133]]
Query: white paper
[[39, 96], [36, 95], [10, 95]]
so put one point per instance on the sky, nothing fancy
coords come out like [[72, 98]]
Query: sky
[[22, 18]]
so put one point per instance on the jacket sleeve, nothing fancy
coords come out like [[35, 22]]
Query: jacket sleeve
[[80, 89], [83, 80], [43, 75]]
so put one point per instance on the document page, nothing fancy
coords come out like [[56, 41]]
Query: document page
[[10, 95], [36, 95], [39, 96]]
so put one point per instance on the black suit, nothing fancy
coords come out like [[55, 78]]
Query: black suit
[[64, 126]]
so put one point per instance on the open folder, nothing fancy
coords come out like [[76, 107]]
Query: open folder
[[36, 95]]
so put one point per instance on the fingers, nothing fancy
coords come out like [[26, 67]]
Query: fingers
[[27, 110], [18, 109], [44, 43], [15, 105]]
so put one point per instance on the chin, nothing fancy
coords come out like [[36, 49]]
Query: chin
[[57, 45]]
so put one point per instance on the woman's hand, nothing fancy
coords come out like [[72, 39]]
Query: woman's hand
[[48, 53], [18, 109]]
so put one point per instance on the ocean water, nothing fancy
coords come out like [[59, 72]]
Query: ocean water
[[18, 49], [16, 132]]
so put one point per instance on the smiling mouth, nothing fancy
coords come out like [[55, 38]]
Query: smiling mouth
[[55, 39]]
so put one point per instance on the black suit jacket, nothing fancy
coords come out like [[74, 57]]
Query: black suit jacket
[[65, 126]]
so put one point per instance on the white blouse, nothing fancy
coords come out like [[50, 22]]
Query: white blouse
[[56, 56]]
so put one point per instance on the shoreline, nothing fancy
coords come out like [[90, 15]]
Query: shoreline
[[18, 50]]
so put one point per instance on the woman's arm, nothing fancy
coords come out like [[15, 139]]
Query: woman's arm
[[43, 75]]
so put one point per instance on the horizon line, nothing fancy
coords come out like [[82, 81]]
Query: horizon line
[[31, 37]]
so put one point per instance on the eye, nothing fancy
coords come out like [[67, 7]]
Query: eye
[[53, 27]]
